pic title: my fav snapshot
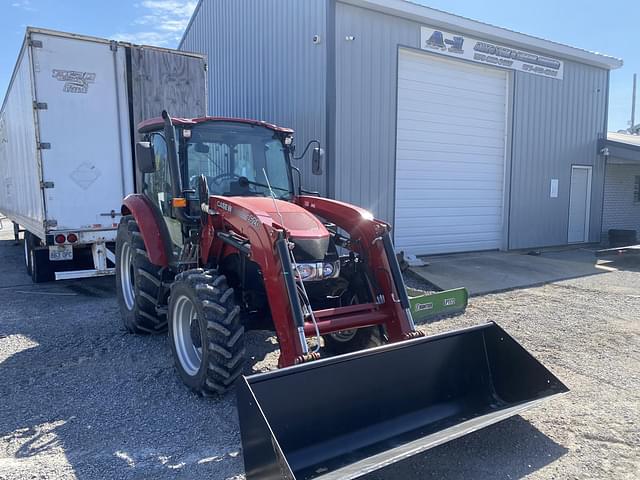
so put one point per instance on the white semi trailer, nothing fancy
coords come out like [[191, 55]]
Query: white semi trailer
[[67, 130]]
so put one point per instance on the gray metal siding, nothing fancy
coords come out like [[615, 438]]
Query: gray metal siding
[[556, 125], [366, 78], [263, 64]]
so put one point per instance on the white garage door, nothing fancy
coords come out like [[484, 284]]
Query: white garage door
[[450, 155]]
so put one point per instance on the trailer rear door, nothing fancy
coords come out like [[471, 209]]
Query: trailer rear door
[[84, 129]]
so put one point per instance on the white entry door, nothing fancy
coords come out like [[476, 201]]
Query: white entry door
[[579, 204], [450, 155]]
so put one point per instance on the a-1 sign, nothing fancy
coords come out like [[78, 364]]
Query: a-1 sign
[[489, 53]]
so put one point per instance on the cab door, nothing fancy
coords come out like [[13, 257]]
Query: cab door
[[156, 187]]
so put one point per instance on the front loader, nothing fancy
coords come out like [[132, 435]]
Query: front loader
[[219, 240]]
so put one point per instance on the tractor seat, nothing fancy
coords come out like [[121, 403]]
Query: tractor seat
[[235, 189]]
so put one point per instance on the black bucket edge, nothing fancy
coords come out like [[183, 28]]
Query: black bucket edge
[[271, 463], [267, 460], [403, 452], [323, 362]]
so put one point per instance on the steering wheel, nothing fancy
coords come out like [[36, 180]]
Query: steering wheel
[[193, 181], [218, 178]]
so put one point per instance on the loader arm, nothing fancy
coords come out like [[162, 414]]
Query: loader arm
[[370, 238], [253, 233]]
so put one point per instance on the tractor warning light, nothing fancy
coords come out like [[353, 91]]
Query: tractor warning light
[[179, 202]]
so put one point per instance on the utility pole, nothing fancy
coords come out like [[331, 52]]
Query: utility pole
[[633, 104]]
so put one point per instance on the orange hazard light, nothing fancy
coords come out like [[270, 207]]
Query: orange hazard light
[[179, 202]]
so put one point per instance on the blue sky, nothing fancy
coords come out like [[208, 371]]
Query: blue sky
[[609, 28]]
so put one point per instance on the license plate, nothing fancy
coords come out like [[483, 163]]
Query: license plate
[[60, 253]]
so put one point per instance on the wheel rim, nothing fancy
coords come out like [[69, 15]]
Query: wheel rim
[[127, 277], [26, 252], [187, 336]]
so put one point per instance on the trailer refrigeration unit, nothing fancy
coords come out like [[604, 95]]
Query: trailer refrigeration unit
[[67, 130]]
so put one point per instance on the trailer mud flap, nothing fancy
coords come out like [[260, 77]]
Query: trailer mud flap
[[346, 416]]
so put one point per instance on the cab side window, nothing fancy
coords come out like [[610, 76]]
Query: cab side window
[[157, 185]]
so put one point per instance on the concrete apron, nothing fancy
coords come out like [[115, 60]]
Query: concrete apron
[[488, 272]]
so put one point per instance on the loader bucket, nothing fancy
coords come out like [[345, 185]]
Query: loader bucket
[[346, 416]]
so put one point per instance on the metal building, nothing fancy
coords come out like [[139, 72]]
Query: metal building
[[622, 182], [464, 135]]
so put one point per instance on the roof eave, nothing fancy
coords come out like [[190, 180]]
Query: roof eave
[[438, 18], [620, 150]]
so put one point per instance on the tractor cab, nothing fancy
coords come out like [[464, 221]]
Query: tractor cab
[[236, 157]]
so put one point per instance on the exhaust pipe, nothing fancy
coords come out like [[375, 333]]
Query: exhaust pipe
[[347, 416]]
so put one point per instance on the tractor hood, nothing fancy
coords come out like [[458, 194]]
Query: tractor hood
[[307, 232]]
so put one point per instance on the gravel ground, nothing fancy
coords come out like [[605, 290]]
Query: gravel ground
[[80, 398]]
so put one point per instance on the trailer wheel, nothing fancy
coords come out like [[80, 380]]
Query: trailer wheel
[[138, 281], [27, 252], [205, 331], [37, 259]]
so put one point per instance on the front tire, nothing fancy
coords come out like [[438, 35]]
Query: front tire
[[205, 332], [138, 281], [352, 340], [357, 339]]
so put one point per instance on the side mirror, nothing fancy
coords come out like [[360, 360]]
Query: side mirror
[[316, 161], [145, 157]]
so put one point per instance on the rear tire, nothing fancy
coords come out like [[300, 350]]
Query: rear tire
[[38, 264], [205, 332], [138, 281]]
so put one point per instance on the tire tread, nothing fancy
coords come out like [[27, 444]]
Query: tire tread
[[144, 318], [224, 330]]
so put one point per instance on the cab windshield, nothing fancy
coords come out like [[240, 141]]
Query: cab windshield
[[234, 158]]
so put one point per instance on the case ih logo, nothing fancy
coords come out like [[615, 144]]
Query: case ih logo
[[74, 82], [224, 206]]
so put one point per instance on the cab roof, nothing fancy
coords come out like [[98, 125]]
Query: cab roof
[[157, 122]]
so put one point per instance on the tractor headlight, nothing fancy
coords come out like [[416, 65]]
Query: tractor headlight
[[327, 270], [307, 271], [310, 272]]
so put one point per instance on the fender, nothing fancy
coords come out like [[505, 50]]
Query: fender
[[154, 232]]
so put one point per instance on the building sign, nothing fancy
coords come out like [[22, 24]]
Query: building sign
[[480, 51]]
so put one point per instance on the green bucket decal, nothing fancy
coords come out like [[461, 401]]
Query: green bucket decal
[[428, 306]]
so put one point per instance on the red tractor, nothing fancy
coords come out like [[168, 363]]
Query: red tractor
[[219, 239]]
